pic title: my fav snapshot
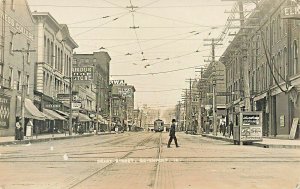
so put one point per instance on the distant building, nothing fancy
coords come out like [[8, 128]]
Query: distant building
[[122, 104], [99, 84]]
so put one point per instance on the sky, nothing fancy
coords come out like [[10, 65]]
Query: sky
[[155, 47]]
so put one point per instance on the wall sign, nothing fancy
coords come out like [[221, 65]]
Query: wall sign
[[4, 111]]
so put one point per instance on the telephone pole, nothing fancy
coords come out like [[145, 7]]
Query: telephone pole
[[24, 53], [213, 44], [244, 50]]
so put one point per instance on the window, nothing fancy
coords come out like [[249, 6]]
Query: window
[[87, 60], [19, 81], [10, 78], [94, 60], [12, 5], [279, 25], [295, 59], [284, 63], [11, 45], [28, 54], [27, 84]]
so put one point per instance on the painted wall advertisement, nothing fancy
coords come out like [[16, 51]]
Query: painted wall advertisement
[[83, 73], [4, 111]]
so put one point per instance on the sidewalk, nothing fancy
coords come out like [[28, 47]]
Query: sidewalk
[[10, 140], [266, 143]]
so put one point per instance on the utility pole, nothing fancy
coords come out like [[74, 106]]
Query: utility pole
[[189, 108], [2, 42], [244, 50], [24, 52], [97, 103], [213, 44], [200, 99]]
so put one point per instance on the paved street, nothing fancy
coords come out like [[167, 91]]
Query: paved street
[[142, 160]]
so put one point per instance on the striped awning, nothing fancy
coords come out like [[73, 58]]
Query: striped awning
[[53, 114]]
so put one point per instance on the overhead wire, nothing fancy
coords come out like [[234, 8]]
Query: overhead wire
[[101, 24], [153, 73]]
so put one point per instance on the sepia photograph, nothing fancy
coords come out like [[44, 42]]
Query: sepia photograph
[[149, 94]]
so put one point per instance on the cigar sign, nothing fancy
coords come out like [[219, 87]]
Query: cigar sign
[[292, 11], [83, 73]]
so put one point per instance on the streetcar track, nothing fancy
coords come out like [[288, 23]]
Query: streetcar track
[[99, 170]]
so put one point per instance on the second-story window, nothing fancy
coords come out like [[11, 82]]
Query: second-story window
[[11, 45], [13, 5]]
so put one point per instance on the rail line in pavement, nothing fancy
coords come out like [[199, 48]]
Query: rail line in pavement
[[94, 171]]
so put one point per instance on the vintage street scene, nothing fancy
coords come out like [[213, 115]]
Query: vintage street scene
[[150, 94]]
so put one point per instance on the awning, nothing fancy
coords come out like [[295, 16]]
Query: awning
[[48, 117], [62, 113], [30, 110], [100, 119], [53, 114], [81, 117]]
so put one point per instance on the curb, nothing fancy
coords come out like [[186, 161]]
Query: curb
[[49, 139], [261, 145]]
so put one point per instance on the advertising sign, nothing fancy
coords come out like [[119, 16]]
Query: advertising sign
[[17, 26], [251, 126], [76, 105], [125, 92], [292, 11], [117, 82], [83, 73], [4, 111]]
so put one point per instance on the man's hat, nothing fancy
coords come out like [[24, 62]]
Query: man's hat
[[173, 120]]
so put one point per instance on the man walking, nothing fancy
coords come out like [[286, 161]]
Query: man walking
[[230, 129], [172, 134]]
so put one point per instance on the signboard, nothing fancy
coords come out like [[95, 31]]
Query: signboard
[[117, 82], [223, 94], [251, 119], [76, 105], [250, 126], [281, 121], [294, 128], [53, 106], [83, 73], [292, 11], [4, 111], [63, 97], [125, 92]]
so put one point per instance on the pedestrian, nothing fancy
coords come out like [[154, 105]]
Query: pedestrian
[[221, 126], [207, 126], [230, 128], [18, 130], [224, 128], [172, 134]]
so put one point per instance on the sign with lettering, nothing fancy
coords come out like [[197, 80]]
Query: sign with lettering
[[83, 73], [117, 82], [294, 128], [18, 27], [4, 111], [76, 105], [281, 121], [125, 92], [53, 106], [292, 11]]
